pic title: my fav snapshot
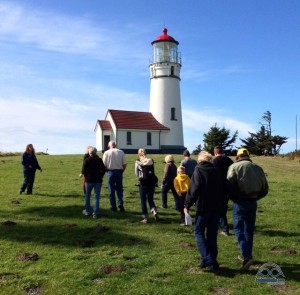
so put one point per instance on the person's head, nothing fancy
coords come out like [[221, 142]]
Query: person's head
[[181, 170], [30, 149], [87, 149], [169, 159], [112, 144], [186, 153], [92, 151], [142, 153], [204, 157], [218, 150], [242, 153]]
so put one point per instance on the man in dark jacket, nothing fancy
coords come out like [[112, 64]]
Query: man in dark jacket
[[207, 190], [93, 171], [222, 162], [250, 184]]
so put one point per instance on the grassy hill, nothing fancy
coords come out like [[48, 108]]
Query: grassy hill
[[48, 247]]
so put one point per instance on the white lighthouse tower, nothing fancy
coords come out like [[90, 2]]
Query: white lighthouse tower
[[165, 101]]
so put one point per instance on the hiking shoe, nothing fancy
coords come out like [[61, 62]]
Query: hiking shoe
[[224, 233], [145, 220], [20, 192], [246, 264], [155, 215], [122, 209], [240, 257], [84, 212], [95, 216]]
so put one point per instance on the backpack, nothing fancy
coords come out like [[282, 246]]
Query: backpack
[[148, 175]]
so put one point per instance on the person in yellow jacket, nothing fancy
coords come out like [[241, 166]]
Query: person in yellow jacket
[[181, 184]]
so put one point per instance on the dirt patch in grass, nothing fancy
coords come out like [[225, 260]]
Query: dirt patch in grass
[[110, 269], [188, 245], [8, 223], [15, 201], [194, 270], [85, 243], [278, 250], [33, 289], [219, 291], [135, 241], [284, 289], [28, 257], [8, 276], [70, 225], [100, 229]]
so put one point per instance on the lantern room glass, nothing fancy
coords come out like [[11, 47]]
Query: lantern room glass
[[165, 52]]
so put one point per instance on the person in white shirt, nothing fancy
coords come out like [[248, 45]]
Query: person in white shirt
[[115, 164]]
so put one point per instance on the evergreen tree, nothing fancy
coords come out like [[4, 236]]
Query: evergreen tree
[[263, 142], [218, 137]]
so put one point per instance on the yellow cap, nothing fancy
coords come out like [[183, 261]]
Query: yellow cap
[[243, 151]]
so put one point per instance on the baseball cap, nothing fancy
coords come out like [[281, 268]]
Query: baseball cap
[[243, 151]]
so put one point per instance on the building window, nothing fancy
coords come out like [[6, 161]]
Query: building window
[[173, 114], [129, 138], [149, 138], [172, 70]]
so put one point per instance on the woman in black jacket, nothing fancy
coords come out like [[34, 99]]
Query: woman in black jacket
[[30, 165]]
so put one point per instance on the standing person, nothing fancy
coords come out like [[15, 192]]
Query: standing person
[[86, 155], [170, 172], [222, 162], [207, 191], [188, 163], [30, 165], [181, 184], [93, 171], [250, 184], [144, 170], [115, 163]]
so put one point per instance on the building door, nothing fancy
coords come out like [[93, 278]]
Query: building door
[[106, 141]]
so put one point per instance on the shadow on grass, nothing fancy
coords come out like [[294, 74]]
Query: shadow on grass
[[69, 235], [276, 233], [53, 195]]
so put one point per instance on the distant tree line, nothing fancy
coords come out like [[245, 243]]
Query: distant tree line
[[262, 142]]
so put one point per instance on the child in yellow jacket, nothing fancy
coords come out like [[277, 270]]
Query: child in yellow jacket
[[181, 184]]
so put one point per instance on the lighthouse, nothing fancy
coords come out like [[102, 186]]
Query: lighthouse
[[159, 130], [165, 100]]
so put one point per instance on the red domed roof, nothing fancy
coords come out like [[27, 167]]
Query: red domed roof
[[165, 37]]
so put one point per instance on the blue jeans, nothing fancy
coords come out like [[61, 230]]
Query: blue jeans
[[115, 185], [146, 194], [206, 230], [223, 222], [29, 176], [164, 195], [97, 189], [244, 215]]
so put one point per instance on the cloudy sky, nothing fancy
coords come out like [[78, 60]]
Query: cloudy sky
[[64, 63]]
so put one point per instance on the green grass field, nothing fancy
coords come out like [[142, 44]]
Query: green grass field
[[53, 249]]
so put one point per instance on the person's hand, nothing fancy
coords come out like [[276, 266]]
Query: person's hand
[[80, 175], [186, 211]]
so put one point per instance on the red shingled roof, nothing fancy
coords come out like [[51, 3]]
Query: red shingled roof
[[104, 125], [135, 120]]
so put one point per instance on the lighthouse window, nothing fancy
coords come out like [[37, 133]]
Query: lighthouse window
[[172, 71], [173, 114], [129, 138], [149, 138]]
